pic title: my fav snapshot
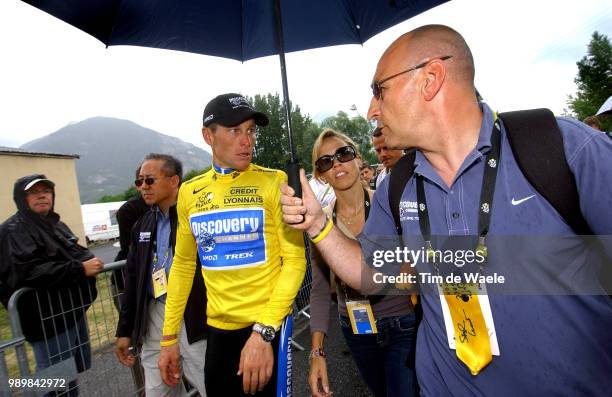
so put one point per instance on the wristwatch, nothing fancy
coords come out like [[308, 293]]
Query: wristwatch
[[267, 332]]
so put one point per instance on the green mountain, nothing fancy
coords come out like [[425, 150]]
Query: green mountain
[[110, 150]]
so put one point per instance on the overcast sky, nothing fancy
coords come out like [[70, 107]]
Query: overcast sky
[[52, 74]]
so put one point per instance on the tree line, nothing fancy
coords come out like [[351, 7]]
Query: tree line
[[272, 148], [593, 87], [593, 81]]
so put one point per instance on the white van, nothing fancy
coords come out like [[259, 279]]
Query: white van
[[100, 220]]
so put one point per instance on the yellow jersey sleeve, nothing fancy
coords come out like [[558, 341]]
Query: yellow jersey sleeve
[[180, 278]]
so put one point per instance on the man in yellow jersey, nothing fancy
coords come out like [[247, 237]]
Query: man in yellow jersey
[[230, 220]]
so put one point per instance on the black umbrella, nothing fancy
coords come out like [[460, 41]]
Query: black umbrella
[[236, 29]]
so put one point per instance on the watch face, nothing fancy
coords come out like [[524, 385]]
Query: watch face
[[268, 334]]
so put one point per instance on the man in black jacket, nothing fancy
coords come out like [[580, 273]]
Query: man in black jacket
[[148, 264], [127, 215], [37, 250]]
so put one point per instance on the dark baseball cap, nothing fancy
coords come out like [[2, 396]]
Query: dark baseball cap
[[230, 110]]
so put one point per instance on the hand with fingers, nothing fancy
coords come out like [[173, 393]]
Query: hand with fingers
[[256, 364], [317, 379], [307, 208], [170, 364], [93, 266], [122, 351]]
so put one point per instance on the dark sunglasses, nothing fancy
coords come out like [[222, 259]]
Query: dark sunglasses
[[149, 180], [377, 85], [343, 154]]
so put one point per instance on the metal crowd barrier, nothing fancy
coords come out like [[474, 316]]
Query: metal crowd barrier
[[302, 299], [90, 351], [104, 375], [301, 305]]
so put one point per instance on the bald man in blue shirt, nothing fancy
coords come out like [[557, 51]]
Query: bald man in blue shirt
[[549, 321]]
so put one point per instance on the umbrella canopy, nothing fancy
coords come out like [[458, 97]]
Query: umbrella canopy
[[606, 108], [235, 29]]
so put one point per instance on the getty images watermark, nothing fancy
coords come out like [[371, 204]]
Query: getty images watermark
[[406, 256]]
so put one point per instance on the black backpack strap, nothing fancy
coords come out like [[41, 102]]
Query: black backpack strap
[[537, 145], [400, 174]]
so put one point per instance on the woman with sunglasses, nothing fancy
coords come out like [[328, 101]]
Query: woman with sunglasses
[[380, 345]]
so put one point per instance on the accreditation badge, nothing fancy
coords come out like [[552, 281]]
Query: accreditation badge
[[160, 283], [361, 316], [470, 298]]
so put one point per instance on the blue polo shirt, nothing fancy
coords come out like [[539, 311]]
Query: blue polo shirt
[[162, 237], [551, 342]]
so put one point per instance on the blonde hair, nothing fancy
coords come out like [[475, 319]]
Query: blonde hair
[[316, 148]]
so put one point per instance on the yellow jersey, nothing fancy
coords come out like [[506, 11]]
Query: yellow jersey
[[252, 263]]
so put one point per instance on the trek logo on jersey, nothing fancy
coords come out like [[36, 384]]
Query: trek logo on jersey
[[408, 211], [230, 238]]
